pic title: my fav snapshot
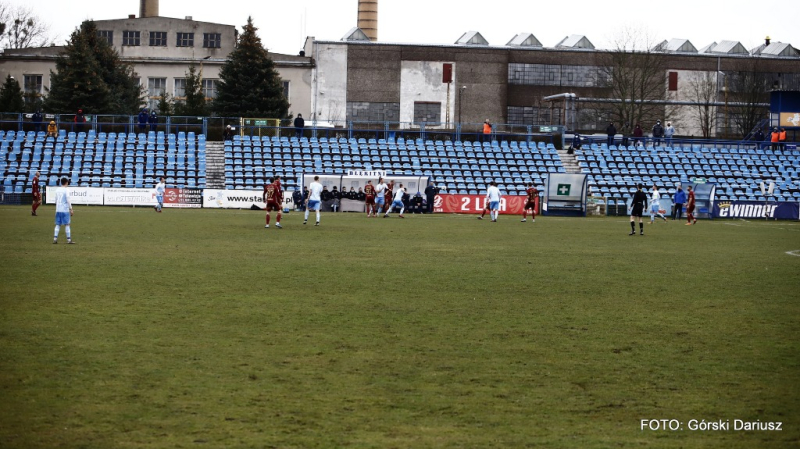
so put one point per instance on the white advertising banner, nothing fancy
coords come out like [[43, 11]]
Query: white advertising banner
[[77, 195], [233, 199], [130, 197]]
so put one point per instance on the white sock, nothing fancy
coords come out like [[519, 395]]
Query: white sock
[[69, 234], [306, 219], [401, 210], [317, 216], [58, 229]]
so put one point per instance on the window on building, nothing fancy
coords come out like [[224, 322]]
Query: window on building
[[210, 88], [155, 86], [107, 35], [673, 81], [428, 112], [185, 40], [33, 84], [285, 89], [212, 40], [180, 87], [131, 38], [158, 38]]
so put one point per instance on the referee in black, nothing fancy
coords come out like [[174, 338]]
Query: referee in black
[[638, 202]]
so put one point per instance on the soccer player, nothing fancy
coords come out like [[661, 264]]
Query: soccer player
[[160, 188], [398, 202], [690, 206], [37, 195], [380, 199], [63, 211], [485, 209], [313, 201], [388, 195], [531, 204], [272, 198], [637, 208], [493, 199], [655, 206], [369, 198]]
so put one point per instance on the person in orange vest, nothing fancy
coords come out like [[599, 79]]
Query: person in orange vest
[[774, 139], [487, 131], [782, 138]]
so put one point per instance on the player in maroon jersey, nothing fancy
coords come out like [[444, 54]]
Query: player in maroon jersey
[[369, 193], [388, 196], [37, 195], [531, 203], [273, 199], [690, 206]]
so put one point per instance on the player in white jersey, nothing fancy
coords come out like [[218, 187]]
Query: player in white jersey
[[63, 211], [655, 206], [493, 198], [397, 202], [160, 188], [380, 190], [314, 199]]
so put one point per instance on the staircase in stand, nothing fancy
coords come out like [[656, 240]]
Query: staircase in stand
[[215, 165], [569, 162]]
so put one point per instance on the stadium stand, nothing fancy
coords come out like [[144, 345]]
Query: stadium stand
[[102, 160], [462, 167], [614, 171]]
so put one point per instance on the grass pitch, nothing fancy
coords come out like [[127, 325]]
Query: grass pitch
[[200, 328]]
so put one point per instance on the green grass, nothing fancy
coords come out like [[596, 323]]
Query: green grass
[[200, 328]]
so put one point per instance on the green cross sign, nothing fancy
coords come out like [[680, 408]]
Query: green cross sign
[[563, 189]]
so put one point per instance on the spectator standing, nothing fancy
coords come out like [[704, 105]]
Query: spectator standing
[[143, 118], [430, 195], [299, 124], [782, 138], [678, 199], [658, 133], [227, 134], [80, 121], [576, 144], [638, 136], [611, 131], [36, 118], [337, 198], [668, 133], [487, 131], [758, 137], [326, 194], [775, 139], [153, 120]]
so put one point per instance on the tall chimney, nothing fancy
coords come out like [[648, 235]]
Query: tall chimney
[[148, 8], [368, 18]]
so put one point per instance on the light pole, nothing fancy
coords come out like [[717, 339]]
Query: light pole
[[460, 100]]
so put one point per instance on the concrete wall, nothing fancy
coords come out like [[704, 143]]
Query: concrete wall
[[329, 83], [422, 81]]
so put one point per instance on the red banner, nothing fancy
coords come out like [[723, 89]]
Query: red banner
[[183, 198], [474, 204]]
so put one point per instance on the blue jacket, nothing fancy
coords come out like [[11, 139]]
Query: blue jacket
[[143, 116], [680, 197]]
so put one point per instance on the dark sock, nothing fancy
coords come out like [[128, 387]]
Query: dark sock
[[633, 227], [641, 226]]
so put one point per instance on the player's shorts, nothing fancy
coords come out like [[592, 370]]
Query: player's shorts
[[313, 205], [37, 196], [654, 208], [160, 198], [637, 210], [380, 201], [398, 204], [529, 205], [370, 200], [689, 209], [494, 205], [62, 218], [273, 206]]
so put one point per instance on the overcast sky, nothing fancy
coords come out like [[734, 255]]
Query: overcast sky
[[284, 24]]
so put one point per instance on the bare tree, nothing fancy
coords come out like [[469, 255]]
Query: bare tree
[[635, 74], [748, 89], [703, 92], [21, 28]]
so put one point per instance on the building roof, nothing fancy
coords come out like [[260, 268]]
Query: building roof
[[575, 41], [680, 46], [728, 48], [356, 34], [775, 49], [472, 38], [524, 40]]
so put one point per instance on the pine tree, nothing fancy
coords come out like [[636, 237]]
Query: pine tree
[[90, 76], [195, 102], [249, 85], [165, 106], [11, 96]]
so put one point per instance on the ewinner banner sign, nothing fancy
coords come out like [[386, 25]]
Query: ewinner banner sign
[[756, 210], [183, 198], [474, 204]]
